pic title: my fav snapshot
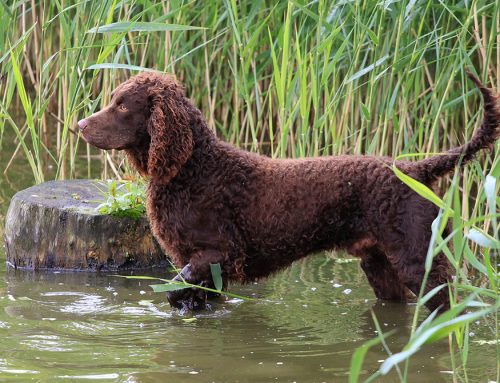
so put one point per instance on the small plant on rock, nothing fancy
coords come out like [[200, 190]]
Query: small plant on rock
[[123, 199]]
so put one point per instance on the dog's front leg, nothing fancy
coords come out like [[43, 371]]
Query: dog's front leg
[[197, 272], [188, 299]]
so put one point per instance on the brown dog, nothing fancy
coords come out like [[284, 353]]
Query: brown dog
[[209, 202]]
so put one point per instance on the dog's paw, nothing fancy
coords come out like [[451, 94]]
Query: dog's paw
[[190, 299]]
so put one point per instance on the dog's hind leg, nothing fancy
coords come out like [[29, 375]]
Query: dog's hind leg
[[406, 243], [410, 266], [382, 277]]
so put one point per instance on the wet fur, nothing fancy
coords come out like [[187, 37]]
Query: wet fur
[[209, 202]]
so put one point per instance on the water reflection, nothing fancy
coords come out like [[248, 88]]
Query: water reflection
[[303, 327]]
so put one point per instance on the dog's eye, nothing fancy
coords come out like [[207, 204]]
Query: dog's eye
[[122, 108]]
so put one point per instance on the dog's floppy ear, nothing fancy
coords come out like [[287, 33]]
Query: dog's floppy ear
[[171, 136]]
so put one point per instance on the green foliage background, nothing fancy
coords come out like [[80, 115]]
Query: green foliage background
[[284, 78]]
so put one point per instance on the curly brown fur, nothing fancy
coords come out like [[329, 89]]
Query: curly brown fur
[[210, 202]]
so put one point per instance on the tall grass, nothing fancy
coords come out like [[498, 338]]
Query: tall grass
[[283, 78]]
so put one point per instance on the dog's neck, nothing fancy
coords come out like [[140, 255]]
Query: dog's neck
[[138, 157], [204, 139], [204, 143]]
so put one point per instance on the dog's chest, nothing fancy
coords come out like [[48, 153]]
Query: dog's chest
[[184, 222]]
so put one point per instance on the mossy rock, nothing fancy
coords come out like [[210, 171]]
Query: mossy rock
[[55, 225]]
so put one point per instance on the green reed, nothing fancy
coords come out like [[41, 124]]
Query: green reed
[[476, 243], [291, 79]]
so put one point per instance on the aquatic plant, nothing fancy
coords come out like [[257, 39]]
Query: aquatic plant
[[475, 289]]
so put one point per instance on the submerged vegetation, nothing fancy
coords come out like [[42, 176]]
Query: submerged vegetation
[[283, 78]]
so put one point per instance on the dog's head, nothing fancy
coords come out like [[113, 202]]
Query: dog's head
[[149, 118]]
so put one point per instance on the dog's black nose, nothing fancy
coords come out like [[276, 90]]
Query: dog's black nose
[[82, 124]]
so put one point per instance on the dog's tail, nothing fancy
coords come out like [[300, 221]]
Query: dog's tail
[[437, 166]]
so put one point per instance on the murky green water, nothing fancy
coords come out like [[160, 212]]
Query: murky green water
[[303, 327]]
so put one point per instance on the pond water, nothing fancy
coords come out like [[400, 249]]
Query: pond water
[[302, 327]]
